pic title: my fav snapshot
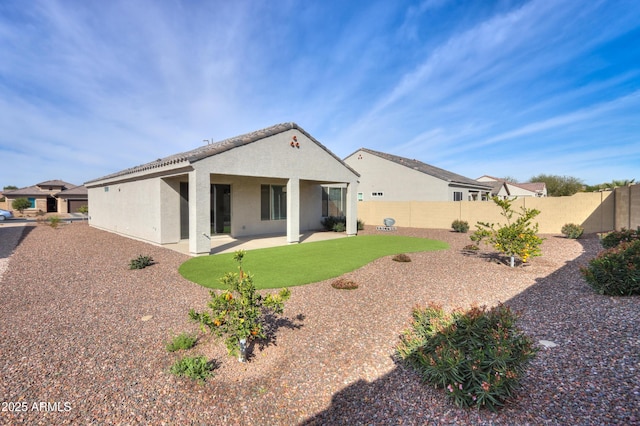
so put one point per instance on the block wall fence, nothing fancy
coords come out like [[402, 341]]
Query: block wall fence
[[595, 211]]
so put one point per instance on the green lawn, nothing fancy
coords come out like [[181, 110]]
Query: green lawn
[[299, 264]]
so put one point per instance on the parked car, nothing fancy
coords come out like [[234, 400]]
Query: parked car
[[5, 214]]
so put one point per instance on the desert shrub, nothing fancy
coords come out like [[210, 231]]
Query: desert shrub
[[401, 257], [344, 284], [360, 225], [615, 271], [460, 226], [477, 356], [239, 313], [193, 367], [140, 262], [54, 221], [21, 204], [339, 227], [471, 248], [84, 209], [573, 231], [516, 238], [612, 239], [181, 341], [330, 222]]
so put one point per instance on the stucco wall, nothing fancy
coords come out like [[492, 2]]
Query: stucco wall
[[593, 211], [398, 182], [628, 207], [128, 208]]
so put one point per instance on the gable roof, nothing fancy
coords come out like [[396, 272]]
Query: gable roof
[[76, 190], [427, 169], [40, 189], [212, 149]]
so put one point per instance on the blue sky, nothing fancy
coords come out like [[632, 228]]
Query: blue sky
[[504, 88]]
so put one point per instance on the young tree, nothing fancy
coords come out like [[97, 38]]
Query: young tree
[[558, 186], [239, 313], [20, 204], [515, 239]]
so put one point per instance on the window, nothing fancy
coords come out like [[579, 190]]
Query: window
[[33, 202], [457, 195], [273, 202], [377, 194], [334, 201]]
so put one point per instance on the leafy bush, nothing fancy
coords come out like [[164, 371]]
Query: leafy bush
[[330, 222], [612, 239], [21, 204], [339, 227], [344, 284], [181, 341], [54, 221], [401, 258], [339, 224], [84, 209], [615, 271], [516, 238], [140, 262], [460, 226], [571, 230], [239, 312], [193, 367], [477, 356]]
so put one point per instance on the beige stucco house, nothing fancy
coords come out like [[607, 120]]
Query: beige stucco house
[[386, 177], [52, 196], [510, 190], [270, 181]]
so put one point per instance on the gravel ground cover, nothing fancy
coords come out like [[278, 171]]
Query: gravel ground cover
[[82, 340]]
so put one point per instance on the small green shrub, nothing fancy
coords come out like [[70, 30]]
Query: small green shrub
[[478, 357], [360, 225], [615, 271], [240, 312], [54, 221], [460, 226], [339, 227], [571, 230], [193, 367], [330, 222], [181, 341], [140, 262], [401, 257], [21, 204], [344, 284], [612, 239], [84, 209]]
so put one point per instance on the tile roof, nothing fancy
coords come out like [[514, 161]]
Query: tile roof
[[217, 148], [428, 169], [76, 190]]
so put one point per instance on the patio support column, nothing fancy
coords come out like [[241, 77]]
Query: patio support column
[[293, 210], [199, 223], [352, 209]]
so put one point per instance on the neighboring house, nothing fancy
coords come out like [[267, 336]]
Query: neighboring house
[[386, 177], [50, 197], [265, 182], [74, 198], [509, 190]]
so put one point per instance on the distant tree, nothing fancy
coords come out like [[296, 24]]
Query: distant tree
[[510, 179], [558, 186], [21, 204], [9, 188], [609, 185]]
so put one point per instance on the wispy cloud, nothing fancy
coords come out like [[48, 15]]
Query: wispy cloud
[[91, 88]]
